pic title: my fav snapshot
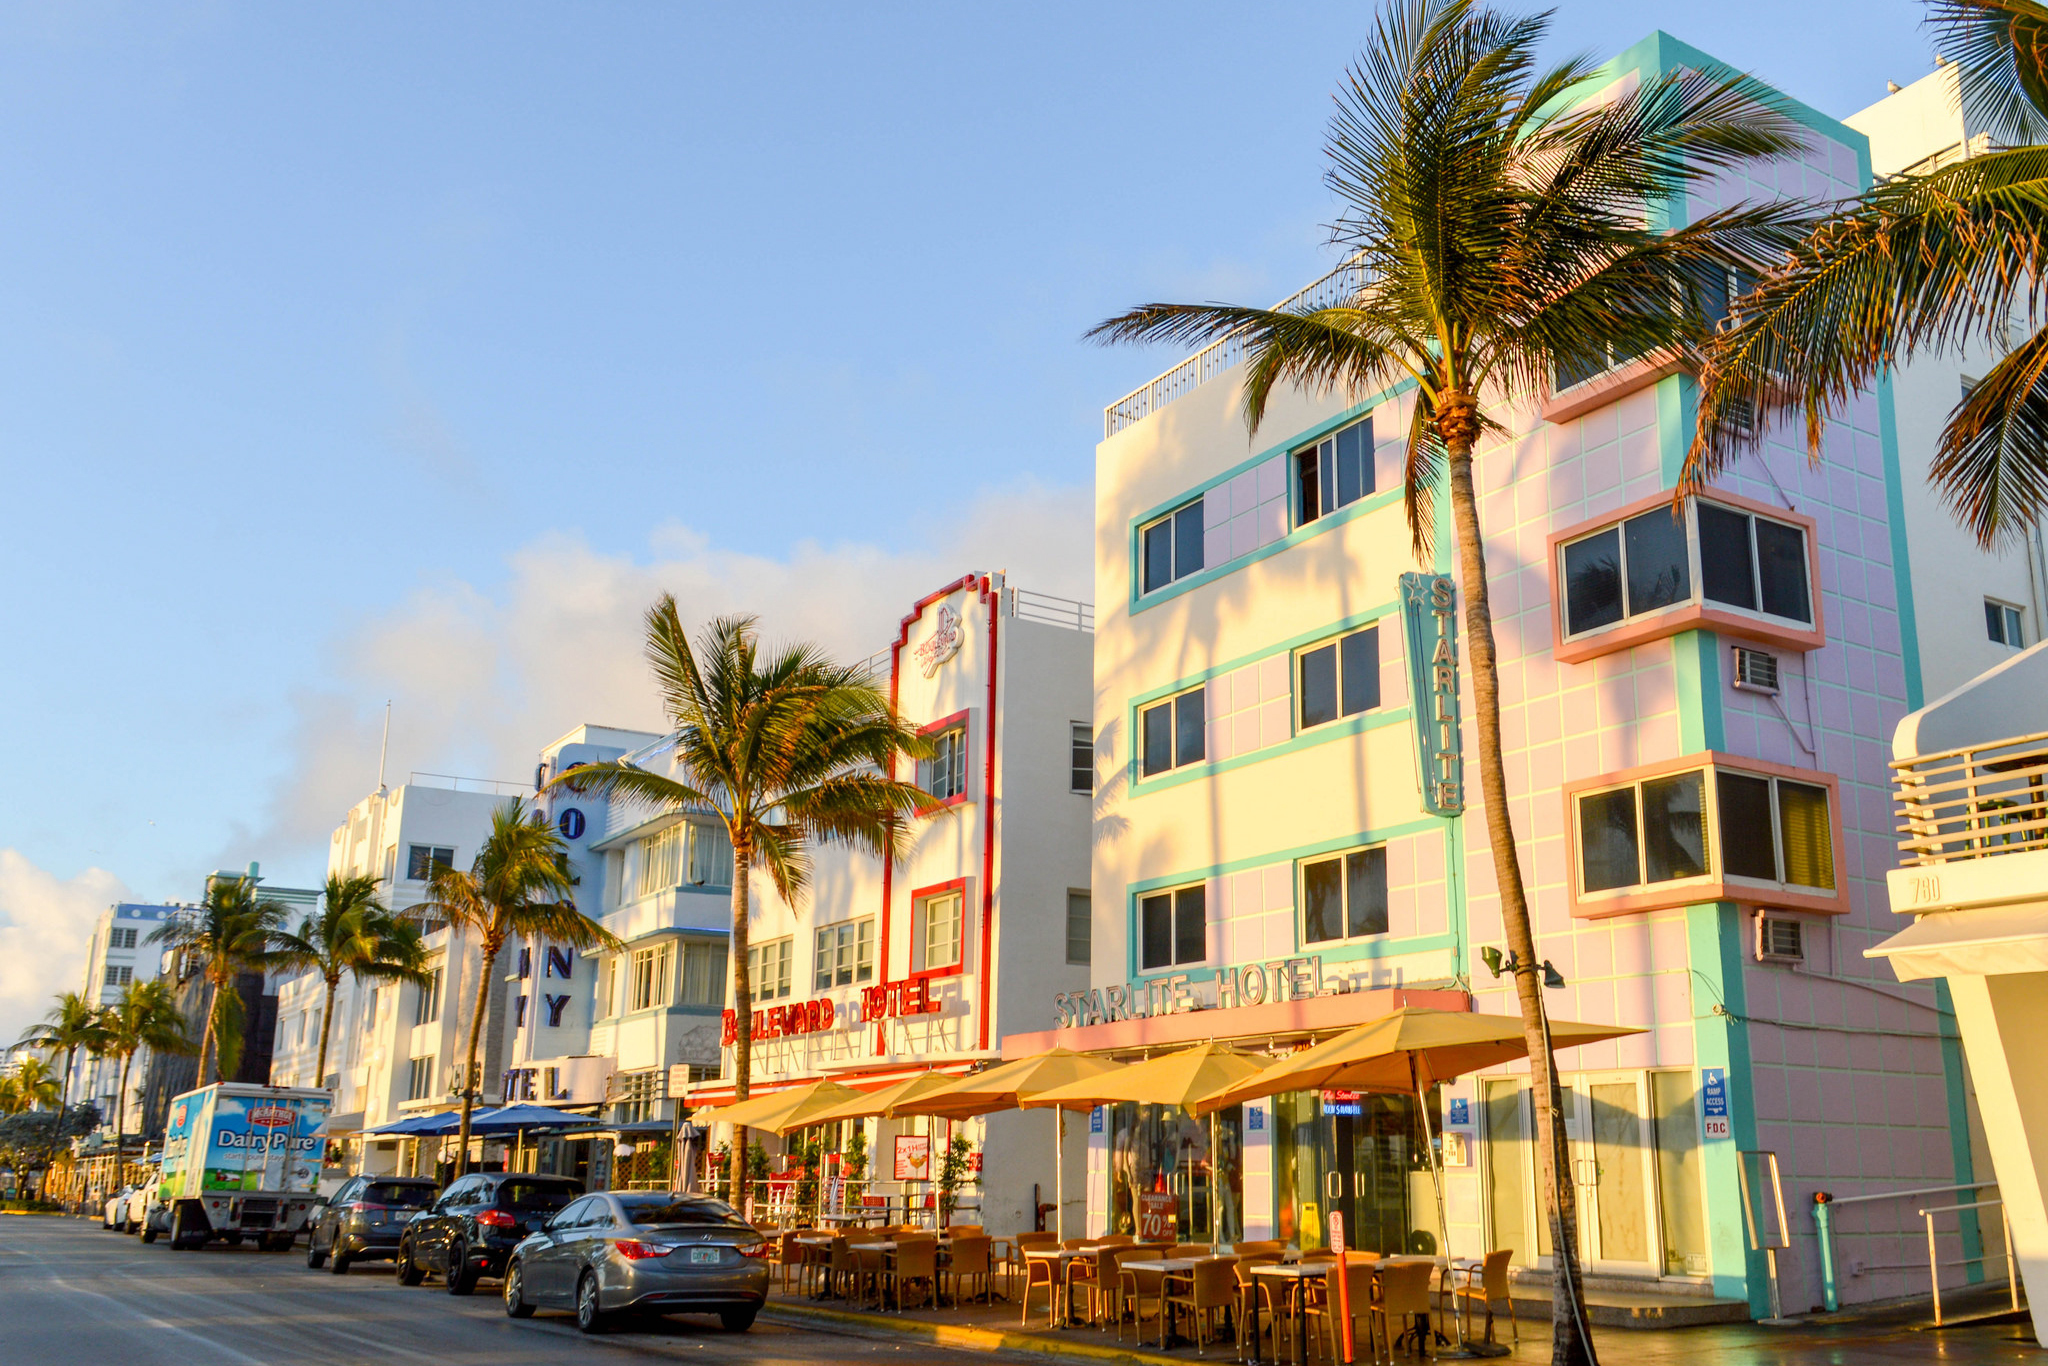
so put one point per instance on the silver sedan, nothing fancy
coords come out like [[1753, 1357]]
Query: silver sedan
[[650, 1252]]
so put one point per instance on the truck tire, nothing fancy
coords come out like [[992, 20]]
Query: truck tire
[[148, 1232], [181, 1241]]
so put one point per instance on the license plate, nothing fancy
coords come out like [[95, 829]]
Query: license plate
[[701, 1255]]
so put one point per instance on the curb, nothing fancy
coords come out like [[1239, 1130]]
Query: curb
[[959, 1335]]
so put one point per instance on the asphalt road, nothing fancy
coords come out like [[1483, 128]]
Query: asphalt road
[[74, 1294]]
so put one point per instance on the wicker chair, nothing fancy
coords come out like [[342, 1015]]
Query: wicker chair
[[969, 1260], [1403, 1296], [1210, 1288], [1252, 1293], [1358, 1286], [916, 1263], [1492, 1289], [1131, 1278]]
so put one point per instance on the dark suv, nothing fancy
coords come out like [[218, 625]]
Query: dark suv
[[365, 1219], [473, 1227]]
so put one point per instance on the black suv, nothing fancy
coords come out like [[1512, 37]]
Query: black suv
[[473, 1227], [364, 1219]]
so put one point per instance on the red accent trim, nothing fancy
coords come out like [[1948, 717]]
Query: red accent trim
[[988, 811], [1694, 616], [917, 894], [903, 626], [860, 1079], [1695, 891]]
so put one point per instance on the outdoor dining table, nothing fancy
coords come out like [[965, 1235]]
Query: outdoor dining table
[[1298, 1274], [1168, 1268]]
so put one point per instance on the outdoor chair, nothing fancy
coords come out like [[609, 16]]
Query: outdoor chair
[[1190, 1250], [1039, 1271], [1403, 1297], [1252, 1293], [786, 1255], [1259, 1249], [1010, 1255], [916, 1263], [969, 1260], [1491, 1290], [1358, 1285], [1105, 1292], [1137, 1285], [1210, 1288]]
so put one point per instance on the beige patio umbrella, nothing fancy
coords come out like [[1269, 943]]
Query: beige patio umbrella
[[1005, 1087], [781, 1111], [868, 1104], [1408, 1051], [1181, 1078]]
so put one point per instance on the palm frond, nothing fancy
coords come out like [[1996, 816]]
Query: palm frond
[[2000, 48], [1992, 461]]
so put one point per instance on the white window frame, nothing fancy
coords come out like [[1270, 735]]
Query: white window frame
[[1697, 597], [939, 944], [1716, 869], [1173, 895], [651, 981], [1336, 642], [1324, 449], [855, 940], [2010, 615], [770, 975], [1338, 857], [1078, 899], [944, 775], [1081, 756]]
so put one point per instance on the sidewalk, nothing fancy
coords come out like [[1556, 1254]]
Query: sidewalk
[[1872, 1338]]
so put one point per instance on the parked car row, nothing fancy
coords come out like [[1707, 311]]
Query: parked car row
[[599, 1255]]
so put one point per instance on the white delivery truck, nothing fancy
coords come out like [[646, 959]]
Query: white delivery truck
[[239, 1161]]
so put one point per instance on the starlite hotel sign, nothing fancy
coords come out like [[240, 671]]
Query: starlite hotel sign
[[1429, 607]]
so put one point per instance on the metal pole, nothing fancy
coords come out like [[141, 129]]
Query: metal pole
[[1933, 1268], [1059, 1174], [1824, 1235], [1443, 1223], [2012, 1276]]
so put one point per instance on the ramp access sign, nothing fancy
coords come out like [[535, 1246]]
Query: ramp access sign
[[1714, 1103]]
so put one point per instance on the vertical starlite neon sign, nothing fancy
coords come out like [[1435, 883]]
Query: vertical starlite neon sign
[[1429, 605]]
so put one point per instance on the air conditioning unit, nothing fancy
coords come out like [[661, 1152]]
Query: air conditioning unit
[[1780, 939], [1756, 670]]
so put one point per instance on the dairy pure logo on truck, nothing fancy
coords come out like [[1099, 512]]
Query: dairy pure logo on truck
[[261, 1144]]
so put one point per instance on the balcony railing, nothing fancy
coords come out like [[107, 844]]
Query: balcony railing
[[1217, 357], [1972, 803], [497, 787], [1026, 605]]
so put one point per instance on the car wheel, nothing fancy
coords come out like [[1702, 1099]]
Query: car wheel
[[148, 1233], [314, 1256], [341, 1263], [408, 1272], [515, 1293], [737, 1320], [589, 1316], [461, 1275]]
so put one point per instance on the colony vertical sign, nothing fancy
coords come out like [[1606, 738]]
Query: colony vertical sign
[[1429, 605]]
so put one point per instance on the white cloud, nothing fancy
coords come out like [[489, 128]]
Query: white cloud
[[45, 925], [481, 678]]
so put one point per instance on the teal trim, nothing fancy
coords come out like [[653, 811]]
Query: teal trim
[[1697, 656], [1138, 786], [1320, 735], [1713, 933], [1677, 408], [1902, 569], [1141, 601]]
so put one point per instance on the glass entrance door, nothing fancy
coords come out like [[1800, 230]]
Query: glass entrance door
[[1356, 1155], [1607, 1119]]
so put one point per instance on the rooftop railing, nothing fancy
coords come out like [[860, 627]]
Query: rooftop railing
[[497, 787], [1217, 357], [1026, 605], [1976, 802]]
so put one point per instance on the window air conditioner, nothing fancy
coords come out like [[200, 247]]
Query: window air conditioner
[[1756, 670], [1780, 939]]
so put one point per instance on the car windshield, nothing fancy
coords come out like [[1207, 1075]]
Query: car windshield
[[534, 1195], [402, 1195], [669, 1211]]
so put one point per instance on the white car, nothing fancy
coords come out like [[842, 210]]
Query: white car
[[115, 1215], [138, 1212]]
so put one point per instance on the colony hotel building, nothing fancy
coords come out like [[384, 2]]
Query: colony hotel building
[[1695, 717], [884, 971]]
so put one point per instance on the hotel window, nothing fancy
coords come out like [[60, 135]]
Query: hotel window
[[121, 939], [1172, 732], [1334, 472], [2002, 622], [935, 932], [652, 980], [427, 1007], [710, 863], [421, 861], [1344, 897], [1725, 556], [1172, 546], [1340, 677], [608, 988], [119, 976], [1080, 929], [1173, 928], [419, 1081], [1082, 755], [846, 954], [661, 859], [703, 972], [944, 775], [1764, 830], [768, 969]]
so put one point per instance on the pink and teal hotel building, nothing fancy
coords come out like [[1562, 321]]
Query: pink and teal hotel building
[[1696, 715]]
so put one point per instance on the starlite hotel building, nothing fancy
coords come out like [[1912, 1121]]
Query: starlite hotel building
[[1695, 715]]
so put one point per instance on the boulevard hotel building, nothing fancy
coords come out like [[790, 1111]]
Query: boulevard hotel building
[[1695, 715]]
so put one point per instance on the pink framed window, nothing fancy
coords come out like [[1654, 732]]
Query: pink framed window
[[945, 774]]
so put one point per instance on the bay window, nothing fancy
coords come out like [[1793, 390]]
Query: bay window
[[1720, 828]]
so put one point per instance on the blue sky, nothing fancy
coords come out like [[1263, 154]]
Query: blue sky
[[350, 346]]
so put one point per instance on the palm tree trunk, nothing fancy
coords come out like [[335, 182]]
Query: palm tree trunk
[[64, 1095], [743, 1020], [326, 1023], [206, 1041], [492, 943], [1457, 415], [121, 1116]]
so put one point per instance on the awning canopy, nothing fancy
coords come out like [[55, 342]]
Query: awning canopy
[[1975, 943]]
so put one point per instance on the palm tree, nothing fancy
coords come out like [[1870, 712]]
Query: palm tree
[[11, 1102], [1500, 228], [36, 1086], [72, 1024], [519, 886], [353, 934], [785, 750], [231, 932], [1919, 262], [146, 1016]]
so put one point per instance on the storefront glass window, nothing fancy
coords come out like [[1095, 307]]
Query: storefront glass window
[[1162, 1173], [1678, 1174], [1361, 1155]]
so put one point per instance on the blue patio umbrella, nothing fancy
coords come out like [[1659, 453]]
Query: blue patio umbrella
[[412, 1126], [519, 1118]]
